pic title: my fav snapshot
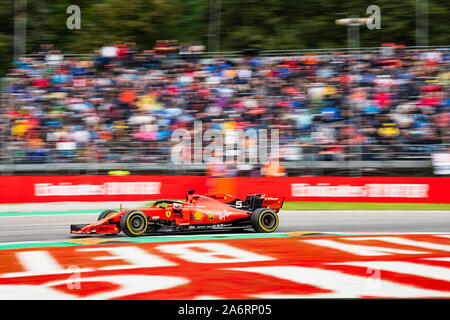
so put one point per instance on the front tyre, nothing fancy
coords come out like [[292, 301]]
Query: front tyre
[[133, 223], [264, 220], [106, 214]]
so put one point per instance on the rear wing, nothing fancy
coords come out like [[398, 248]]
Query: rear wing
[[261, 200], [251, 203]]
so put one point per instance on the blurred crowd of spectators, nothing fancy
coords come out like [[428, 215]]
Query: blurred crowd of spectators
[[123, 104]]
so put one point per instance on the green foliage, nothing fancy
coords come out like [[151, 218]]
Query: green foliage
[[263, 24]]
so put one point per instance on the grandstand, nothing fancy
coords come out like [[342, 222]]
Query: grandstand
[[375, 111]]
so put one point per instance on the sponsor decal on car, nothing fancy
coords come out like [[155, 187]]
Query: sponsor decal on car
[[197, 215], [110, 228], [221, 225], [224, 214]]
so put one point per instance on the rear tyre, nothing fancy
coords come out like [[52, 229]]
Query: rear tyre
[[264, 220], [133, 223], [106, 213]]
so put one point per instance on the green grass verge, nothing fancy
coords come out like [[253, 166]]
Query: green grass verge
[[324, 205], [288, 205]]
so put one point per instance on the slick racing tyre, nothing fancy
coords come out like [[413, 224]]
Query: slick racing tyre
[[106, 213], [264, 220], [133, 223]]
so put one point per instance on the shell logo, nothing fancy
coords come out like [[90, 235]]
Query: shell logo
[[198, 215]]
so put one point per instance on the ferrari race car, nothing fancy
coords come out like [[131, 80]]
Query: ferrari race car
[[213, 211]]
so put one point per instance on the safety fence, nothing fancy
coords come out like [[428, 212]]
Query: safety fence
[[163, 152], [158, 157]]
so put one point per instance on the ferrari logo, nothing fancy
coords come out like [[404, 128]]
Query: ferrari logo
[[210, 217], [168, 213]]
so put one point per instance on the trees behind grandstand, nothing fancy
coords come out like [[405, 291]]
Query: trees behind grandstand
[[263, 24]]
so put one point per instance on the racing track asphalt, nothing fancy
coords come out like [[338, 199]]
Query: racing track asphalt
[[56, 226]]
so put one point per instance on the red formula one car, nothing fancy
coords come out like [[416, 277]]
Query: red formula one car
[[213, 211]]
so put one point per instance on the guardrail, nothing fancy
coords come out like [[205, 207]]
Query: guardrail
[[154, 152], [319, 51], [277, 52]]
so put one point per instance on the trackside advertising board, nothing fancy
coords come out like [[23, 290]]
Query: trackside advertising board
[[24, 189]]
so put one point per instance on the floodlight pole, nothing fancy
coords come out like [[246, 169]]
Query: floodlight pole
[[20, 28], [352, 24], [353, 42], [214, 25], [353, 35], [421, 22]]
